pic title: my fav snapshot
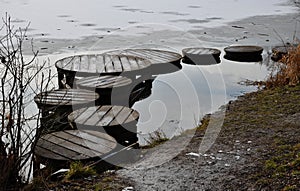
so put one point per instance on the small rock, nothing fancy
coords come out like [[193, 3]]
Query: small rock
[[192, 154], [227, 165], [220, 151], [237, 157], [130, 188], [248, 149], [249, 142]]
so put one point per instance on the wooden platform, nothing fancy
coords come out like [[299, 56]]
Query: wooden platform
[[98, 64], [65, 97], [201, 56], [162, 61], [74, 145], [103, 116], [117, 121], [116, 90], [244, 53], [103, 82]]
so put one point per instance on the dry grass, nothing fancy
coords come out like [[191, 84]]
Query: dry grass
[[288, 71]]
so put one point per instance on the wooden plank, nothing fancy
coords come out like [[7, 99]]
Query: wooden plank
[[92, 63], [125, 63], [117, 64], [133, 116], [46, 153], [79, 145], [121, 117], [100, 64], [57, 148], [84, 63], [66, 97], [109, 116], [98, 138], [72, 117], [109, 68], [88, 116]]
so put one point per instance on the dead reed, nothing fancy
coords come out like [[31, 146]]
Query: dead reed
[[287, 71]]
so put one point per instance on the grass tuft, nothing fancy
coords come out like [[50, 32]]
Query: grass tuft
[[78, 170]]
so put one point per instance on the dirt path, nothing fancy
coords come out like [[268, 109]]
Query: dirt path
[[256, 127]]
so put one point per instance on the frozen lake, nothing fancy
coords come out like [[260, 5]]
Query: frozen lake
[[74, 19]]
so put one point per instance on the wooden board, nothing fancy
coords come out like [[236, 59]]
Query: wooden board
[[103, 116], [103, 82], [65, 97], [153, 55], [101, 64], [74, 145]]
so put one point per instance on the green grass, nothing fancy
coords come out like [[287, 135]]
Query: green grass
[[78, 170]]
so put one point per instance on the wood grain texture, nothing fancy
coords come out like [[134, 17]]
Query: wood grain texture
[[74, 145]]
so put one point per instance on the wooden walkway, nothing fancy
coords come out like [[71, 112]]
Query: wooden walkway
[[74, 145]]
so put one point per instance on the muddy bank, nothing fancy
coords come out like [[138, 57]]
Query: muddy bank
[[255, 128]]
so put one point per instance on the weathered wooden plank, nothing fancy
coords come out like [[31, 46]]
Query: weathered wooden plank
[[109, 116], [57, 148], [133, 116], [80, 146], [46, 153], [117, 63], [65, 97], [103, 115], [100, 64], [109, 68], [74, 145], [98, 138], [121, 117]]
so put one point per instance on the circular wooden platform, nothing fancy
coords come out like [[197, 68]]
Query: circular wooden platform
[[162, 61], [103, 116], [117, 121], [101, 64], [103, 82], [153, 55], [201, 56], [74, 145], [244, 53], [65, 97]]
